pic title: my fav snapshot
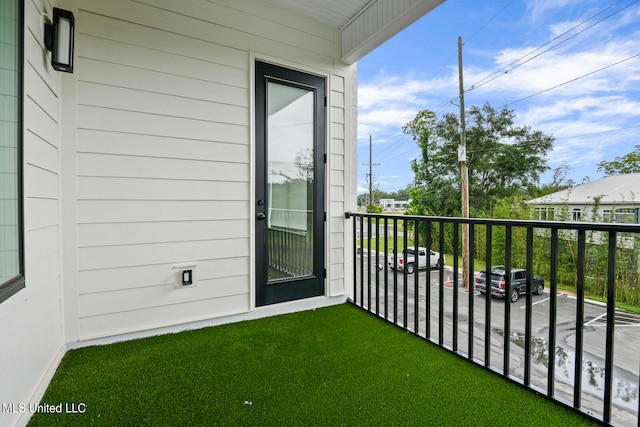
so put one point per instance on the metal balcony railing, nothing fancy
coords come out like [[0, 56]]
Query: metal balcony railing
[[572, 344], [290, 241]]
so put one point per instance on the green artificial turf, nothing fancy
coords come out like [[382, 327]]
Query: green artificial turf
[[331, 366]]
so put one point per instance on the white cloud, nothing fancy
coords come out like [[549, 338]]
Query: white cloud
[[594, 104], [540, 9]]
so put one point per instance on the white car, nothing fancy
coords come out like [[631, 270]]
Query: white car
[[435, 260]]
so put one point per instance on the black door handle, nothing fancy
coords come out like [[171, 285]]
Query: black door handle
[[261, 216]]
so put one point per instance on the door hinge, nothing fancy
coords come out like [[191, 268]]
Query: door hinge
[[325, 273], [325, 158], [325, 101], [325, 217]]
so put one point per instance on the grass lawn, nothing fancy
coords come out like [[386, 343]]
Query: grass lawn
[[331, 366]]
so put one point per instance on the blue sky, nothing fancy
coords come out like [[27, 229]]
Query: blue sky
[[580, 59]]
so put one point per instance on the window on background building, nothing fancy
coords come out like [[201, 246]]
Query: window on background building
[[576, 214], [11, 227], [538, 213], [606, 215], [545, 213], [626, 215]]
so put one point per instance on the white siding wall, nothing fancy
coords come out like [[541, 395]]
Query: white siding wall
[[31, 333], [163, 156], [351, 186]]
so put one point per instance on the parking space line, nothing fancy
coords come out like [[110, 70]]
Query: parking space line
[[595, 319], [537, 302], [622, 319]]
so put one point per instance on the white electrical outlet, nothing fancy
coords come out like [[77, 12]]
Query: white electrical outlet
[[186, 275]]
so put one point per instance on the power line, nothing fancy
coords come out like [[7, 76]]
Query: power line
[[505, 70], [574, 80], [442, 68], [404, 137], [400, 154], [547, 90], [489, 21], [501, 72], [584, 135], [519, 62], [599, 133]]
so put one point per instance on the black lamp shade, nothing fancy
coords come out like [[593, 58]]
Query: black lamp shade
[[59, 39]]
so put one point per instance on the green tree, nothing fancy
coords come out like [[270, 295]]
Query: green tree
[[504, 159], [374, 209], [402, 194], [363, 199], [629, 163], [559, 182]]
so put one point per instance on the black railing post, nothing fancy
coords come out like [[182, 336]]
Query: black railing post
[[395, 271], [369, 219], [362, 261], [528, 323], [456, 277], [507, 301], [611, 318], [355, 257], [386, 270], [377, 265], [427, 295], [471, 287], [487, 301], [440, 285], [553, 307], [405, 278], [416, 276], [577, 381]]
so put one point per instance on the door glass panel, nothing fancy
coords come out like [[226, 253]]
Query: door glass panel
[[290, 174]]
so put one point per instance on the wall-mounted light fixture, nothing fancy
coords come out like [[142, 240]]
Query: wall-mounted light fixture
[[58, 38]]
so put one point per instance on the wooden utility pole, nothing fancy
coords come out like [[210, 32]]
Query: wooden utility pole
[[370, 171], [464, 175], [371, 165]]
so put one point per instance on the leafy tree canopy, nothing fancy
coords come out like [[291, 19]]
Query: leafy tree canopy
[[558, 182], [629, 163], [503, 159]]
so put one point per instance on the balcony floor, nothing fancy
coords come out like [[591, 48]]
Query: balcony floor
[[331, 366]]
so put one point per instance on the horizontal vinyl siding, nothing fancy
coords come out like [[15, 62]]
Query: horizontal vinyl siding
[[114, 165], [137, 211], [337, 142], [124, 188], [120, 322], [103, 142], [142, 276], [32, 333], [164, 154], [41, 183], [133, 299], [116, 234], [163, 171]]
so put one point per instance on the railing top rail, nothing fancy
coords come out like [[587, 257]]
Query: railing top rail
[[558, 225]]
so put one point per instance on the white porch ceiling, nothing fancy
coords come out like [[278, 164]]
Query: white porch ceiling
[[363, 24], [335, 13]]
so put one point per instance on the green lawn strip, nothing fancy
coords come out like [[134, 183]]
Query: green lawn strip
[[478, 264], [365, 243], [331, 366]]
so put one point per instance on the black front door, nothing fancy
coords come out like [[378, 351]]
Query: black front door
[[290, 134]]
